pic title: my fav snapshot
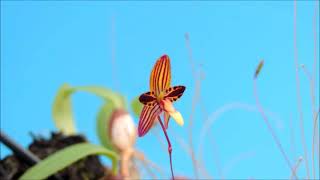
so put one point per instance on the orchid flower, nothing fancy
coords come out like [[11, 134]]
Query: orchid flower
[[159, 100]]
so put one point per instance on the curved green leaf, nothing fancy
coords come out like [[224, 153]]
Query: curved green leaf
[[136, 106], [104, 93], [124, 102], [62, 106], [66, 157], [103, 120], [62, 110]]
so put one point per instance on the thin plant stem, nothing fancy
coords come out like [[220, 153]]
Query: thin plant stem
[[315, 125], [125, 158], [315, 38], [196, 100], [146, 167], [169, 145], [314, 116], [313, 83], [134, 169], [193, 69], [269, 126], [193, 105], [155, 132], [298, 87], [216, 158], [292, 138], [187, 149], [208, 123], [296, 167], [140, 156], [236, 160], [205, 116], [305, 70]]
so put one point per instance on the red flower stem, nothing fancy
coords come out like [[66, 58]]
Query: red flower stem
[[169, 144]]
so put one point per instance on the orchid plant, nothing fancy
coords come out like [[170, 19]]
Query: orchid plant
[[159, 100], [115, 130]]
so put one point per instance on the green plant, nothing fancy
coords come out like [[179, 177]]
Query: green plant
[[64, 121], [62, 106], [112, 120], [65, 157]]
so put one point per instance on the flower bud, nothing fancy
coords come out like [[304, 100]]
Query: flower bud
[[122, 131]]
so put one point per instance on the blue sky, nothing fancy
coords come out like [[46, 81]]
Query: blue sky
[[46, 44]]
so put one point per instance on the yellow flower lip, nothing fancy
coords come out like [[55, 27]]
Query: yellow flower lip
[[176, 115]]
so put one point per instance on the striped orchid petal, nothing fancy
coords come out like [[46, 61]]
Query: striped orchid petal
[[174, 93], [147, 117], [148, 99], [160, 77], [160, 99]]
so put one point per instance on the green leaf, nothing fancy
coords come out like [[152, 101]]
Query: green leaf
[[104, 93], [62, 106], [62, 110], [124, 102], [65, 157], [103, 120], [136, 106]]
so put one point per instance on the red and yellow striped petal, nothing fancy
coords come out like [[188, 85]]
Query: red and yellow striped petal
[[174, 93], [148, 99], [147, 117], [160, 77]]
